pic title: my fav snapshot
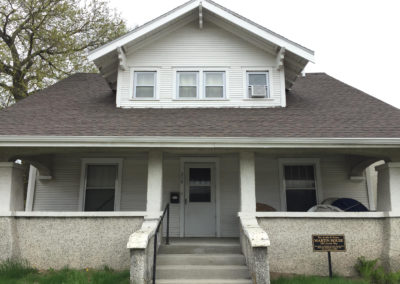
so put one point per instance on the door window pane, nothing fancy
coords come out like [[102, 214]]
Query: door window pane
[[100, 187], [199, 185], [300, 188]]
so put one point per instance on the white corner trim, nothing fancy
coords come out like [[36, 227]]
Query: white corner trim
[[193, 142], [256, 235], [31, 188]]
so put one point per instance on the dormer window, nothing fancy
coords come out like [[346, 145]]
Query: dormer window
[[257, 85], [214, 85], [144, 85], [188, 82]]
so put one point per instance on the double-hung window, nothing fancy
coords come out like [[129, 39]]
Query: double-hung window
[[214, 85], [188, 82], [299, 187], [257, 84], [100, 184], [144, 85]]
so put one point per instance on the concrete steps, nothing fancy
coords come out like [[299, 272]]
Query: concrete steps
[[202, 260]]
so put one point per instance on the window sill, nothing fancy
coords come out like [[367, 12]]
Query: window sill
[[146, 100], [259, 99], [199, 100]]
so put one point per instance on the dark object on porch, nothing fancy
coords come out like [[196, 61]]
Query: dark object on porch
[[261, 207], [349, 205]]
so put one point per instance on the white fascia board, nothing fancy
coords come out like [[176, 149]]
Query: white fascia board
[[298, 50], [146, 28], [194, 142]]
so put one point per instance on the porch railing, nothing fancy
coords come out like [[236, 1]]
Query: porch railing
[[166, 211]]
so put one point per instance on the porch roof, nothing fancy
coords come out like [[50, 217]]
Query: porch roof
[[319, 106]]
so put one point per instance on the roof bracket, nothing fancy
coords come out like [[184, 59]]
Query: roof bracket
[[200, 15], [122, 59], [280, 58]]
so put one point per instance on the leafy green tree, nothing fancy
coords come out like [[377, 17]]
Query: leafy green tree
[[43, 41]]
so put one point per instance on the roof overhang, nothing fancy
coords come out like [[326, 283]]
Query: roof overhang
[[295, 57], [194, 142]]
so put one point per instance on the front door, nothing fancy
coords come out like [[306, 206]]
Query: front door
[[200, 211]]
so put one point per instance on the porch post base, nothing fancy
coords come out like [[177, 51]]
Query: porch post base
[[255, 242]]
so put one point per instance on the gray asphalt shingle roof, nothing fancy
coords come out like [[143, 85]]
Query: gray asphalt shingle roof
[[318, 106]]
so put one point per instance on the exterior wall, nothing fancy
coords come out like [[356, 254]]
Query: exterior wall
[[76, 242], [194, 48], [291, 246], [62, 192], [335, 181]]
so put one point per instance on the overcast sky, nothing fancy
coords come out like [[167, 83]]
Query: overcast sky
[[356, 41]]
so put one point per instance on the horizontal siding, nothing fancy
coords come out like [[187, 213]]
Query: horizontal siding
[[334, 181], [62, 192], [197, 48], [171, 183], [134, 184], [335, 173], [229, 195]]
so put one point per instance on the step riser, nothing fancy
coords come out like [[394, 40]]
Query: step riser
[[168, 259], [188, 249], [238, 273]]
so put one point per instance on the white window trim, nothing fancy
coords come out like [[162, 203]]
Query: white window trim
[[197, 72], [132, 78], [270, 90], [300, 162], [201, 88], [223, 84], [100, 161]]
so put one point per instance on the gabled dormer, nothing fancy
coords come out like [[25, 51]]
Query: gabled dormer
[[201, 55]]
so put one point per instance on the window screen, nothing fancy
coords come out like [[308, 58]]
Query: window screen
[[187, 84], [144, 84], [214, 84], [100, 187], [300, 187], [257, 80]]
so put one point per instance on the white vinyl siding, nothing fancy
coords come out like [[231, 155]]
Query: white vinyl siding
[[191, 49]]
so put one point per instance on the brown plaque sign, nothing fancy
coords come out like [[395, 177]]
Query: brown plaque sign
[[324, 243]]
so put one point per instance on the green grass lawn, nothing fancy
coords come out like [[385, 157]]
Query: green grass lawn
[[22, 273], [316, 280]]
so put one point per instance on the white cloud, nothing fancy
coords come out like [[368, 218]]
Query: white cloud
[[356, 41]]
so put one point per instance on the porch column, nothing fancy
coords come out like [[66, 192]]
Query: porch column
[[389, 187], [11, 187], [247, 182], [154, 182]]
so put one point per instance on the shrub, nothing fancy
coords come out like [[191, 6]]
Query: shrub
[[374, 273]]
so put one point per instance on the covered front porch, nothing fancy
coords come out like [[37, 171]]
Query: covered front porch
[[212, 192]]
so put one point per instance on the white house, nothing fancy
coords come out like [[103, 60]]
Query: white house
[[209, 112]]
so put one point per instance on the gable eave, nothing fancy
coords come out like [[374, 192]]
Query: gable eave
[[221, 11]]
